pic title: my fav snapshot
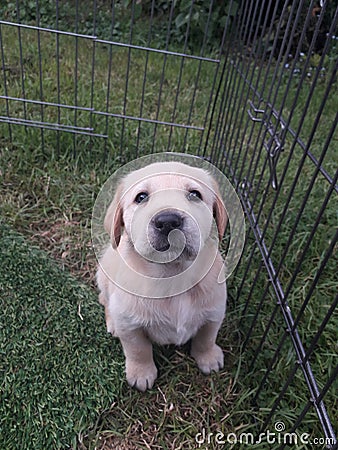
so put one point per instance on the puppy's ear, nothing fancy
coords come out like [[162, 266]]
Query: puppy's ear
[[113, 221], [219, 212]]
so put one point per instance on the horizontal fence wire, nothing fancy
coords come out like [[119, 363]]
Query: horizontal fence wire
[[96, 40], [108, 42], [92, 115]]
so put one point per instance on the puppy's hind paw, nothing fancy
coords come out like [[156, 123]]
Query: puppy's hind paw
[[141, 377], [209, 361]]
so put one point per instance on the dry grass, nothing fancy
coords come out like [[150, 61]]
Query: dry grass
[[183, 404]]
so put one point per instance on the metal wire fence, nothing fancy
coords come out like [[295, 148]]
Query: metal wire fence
[[261, 106], [269, 134]]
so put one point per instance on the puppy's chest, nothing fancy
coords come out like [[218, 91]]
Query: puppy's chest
[[175, 325]]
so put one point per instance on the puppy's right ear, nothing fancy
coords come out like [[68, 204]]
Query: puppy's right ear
[[113, 221]]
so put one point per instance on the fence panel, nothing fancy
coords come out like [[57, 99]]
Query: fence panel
[[276, 138]]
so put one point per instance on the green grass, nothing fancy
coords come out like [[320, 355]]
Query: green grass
[[63, 376], [52, 208], [171, 84], [56, 376]]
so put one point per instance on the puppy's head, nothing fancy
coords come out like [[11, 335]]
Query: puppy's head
[[166, 211]]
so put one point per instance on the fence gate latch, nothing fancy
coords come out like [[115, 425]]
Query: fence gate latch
[[274, 136]]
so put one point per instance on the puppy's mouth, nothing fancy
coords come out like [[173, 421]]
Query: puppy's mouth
[[173, 245], [168, 238], [162, 248], [172, 241], [172, 248]]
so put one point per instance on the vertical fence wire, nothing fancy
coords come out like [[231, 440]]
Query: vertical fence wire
[[22, 75], [230, 155], [162, 77], [303, 356], [320, 398], [221, 95], [237, 160], [76, 73], [316, 398], [4, 76], [145, 74], [58, 83], [198, 72], [40, 72], [109, 78], [179, 78], [92, 76], [125, 100], [228, 138]]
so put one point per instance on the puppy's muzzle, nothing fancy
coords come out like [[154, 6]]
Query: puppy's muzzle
[[163, 224]]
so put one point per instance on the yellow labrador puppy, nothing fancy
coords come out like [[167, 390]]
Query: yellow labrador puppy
[[161, 280]]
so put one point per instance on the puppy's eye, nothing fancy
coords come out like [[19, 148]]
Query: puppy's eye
[[194, 195], [141, 197]]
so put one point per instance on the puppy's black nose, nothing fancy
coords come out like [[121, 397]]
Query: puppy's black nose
[[167, 221]]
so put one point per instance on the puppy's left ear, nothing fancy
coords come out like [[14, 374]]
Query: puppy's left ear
[[219, 212]]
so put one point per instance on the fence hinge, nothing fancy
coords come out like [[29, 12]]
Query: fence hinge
[[274, 137]]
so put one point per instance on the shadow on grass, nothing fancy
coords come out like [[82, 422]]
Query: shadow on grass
[[57, 369]]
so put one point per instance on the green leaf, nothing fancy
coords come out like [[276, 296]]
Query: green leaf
[[181, 20]]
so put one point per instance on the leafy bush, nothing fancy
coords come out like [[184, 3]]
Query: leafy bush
[[205, 24], [205, 20]]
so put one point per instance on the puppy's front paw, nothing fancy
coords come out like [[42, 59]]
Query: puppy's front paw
[[141, 376], [209, 361]]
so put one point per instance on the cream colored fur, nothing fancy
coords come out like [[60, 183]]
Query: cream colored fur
[[164, 302]]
